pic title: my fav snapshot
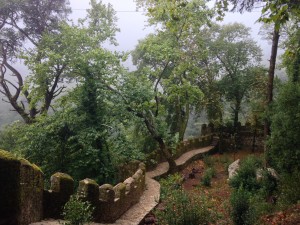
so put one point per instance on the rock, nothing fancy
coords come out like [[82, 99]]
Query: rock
[[233, 168], [271, 171]]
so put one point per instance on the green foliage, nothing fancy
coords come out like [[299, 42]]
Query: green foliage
[[168, 59], [238, 58], [248, 198], [268, 184], [9, 136], [284, 153], [77, 212], [247, 208], [172, 182], [208, 160], [246, 176], [207, 176], [291, 56], [24, 23], [240, 207], [182, 209], [289, 192]]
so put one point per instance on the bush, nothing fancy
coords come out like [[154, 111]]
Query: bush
[[207, 176], [289, 189], [284, 143], [171, 183], [77, 212], [209, 161], [246, 176], [268, 184], [240, 207], [181, 209]]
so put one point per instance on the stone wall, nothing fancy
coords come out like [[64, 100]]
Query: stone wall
[[23, 199], [21, 191], [193, 143], [62, 187], [110, 202]]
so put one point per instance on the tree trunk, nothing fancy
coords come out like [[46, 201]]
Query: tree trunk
[[162, 146], [236, 115], [275, 40], [183, 122], [172, 164]]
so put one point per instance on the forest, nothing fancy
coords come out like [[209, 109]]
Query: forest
[[80, 111]]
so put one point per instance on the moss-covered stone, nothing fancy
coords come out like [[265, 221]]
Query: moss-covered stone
[[120, 190], [25, 162], [62, 182], [9, 188], [62, 187], [7, 156], [31, 193]]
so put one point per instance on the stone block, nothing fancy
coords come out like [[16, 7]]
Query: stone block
[[31, 193], [107, 193], [119, 190], [129, 182], [88, 190], [62, 187], [62, 183], [9, 188]]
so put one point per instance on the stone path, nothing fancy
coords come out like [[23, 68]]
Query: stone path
[[150, 197]]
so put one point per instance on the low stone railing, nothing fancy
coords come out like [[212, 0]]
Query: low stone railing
[[24, 200], [193, 143], [110, 202], [21, 191]]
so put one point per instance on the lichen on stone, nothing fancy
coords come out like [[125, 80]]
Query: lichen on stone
[[5, 155]]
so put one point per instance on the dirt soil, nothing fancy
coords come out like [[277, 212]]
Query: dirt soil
[[219, 191], [291, 216]]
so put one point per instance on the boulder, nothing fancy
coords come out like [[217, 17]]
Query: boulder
[[233, 168], [271, 171]]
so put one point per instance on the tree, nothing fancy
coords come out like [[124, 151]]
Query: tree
[[23, 23], [291, 57], [166, 61], [238, 56], [74, 138], [284, 152], [276, 12]]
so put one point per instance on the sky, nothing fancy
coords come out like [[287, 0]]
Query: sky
[[134, 27]]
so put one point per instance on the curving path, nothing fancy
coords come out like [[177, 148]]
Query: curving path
[[150, 197]]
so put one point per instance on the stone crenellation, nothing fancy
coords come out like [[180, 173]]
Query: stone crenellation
[[23, 199], [109, 201], [21, 191]]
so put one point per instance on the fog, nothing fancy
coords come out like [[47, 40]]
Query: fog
[[133, 27]]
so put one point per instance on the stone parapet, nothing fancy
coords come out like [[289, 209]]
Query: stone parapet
[[62, 187], [193, 143], [111, 202], [21, 191]]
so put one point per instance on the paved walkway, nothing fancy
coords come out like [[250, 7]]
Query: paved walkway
[[150, 197]]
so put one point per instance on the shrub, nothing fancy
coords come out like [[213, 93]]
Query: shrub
[[284, 152], [77, 212], [289, 189], [209, 161], [207, 176], [181, 209], [240, 207], [268, 184], [172, 182], [246, 176]]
